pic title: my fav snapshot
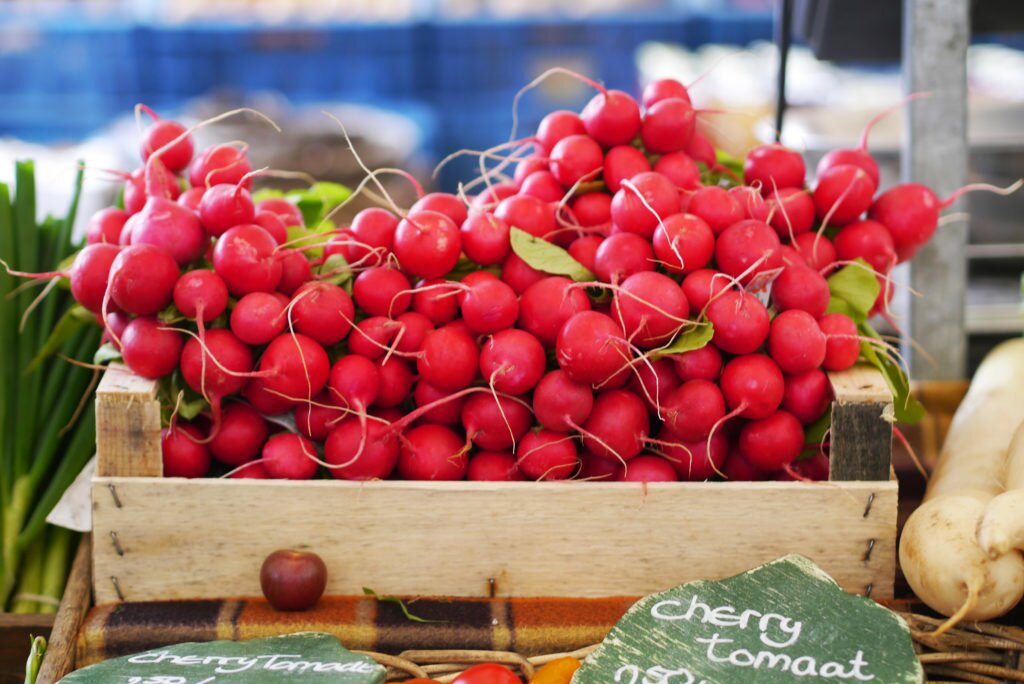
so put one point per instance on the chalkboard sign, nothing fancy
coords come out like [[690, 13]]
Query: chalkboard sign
[[309, 657], [781, 623]]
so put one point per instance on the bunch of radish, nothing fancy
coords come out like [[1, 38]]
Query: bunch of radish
[[623, 307]]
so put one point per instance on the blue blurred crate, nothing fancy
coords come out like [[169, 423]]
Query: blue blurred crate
[[47, 117]]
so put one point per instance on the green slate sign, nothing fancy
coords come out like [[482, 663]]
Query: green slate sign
[[781, 623], [309, 657]]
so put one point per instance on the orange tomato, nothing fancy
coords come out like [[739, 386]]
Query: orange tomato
[[557, 671]]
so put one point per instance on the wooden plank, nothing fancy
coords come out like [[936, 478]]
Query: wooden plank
[[127, 425], [935, 38], [179, 538], [861, 434], [60, 651]]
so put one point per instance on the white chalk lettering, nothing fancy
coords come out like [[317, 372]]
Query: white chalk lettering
[[770, 625], [800, 666]]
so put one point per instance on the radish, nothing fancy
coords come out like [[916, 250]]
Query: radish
[[411, 330], [142, 279], [699, 364], [361, 451], [594, 208], [273, 224], [162, 132], [684, 243], [90, 274], [591, 348], [294, 367], [814, 468], [807, 395], [546, 305], [559, 402], [296, 271], [225, 206], [373, 228], [773, 442], [316, 419], [492, 196], [1001, 530], [842, 345], [216, 367], [432, 452], [201, 294], [220, 164], [382, 291], [546, 455], [753, 386], [447, 412], [184, 454], [250, 471], [663, 89], [449, 359], [642, 202], [487, 304], [149, 348], [700, 287], [371, 336], [354, 382], [485, 238], [140, 185], [575, 158], [442, 202], [241, 436], [396, 381], [740, 320], [868, 240], [700, 460], [817, 250], [258, 318], [692, 410], [653, 381], [105, 226], [616, 427], [584, 250], [512, 361], [322, 311], [427, 244], [716, 207], [171, 227], [244, 257], [791, 212], [256, 393], [493, 466], [748, 248], [435, 299], [651, 308], [796, 343], [529, 166], [843, 194], [622, 255], [754, 205], [801, 288], [290, 214], [518, 274], [611, 118], [647, 468], [682, 171], [558, 125], [290, 457], [668, 125], [702, 150], [596, 468], [774, 167], [524, 212], [494, 422], [621, 163], [738, 468]]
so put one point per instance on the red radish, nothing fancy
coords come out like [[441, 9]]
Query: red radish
[[700, 287], [296, 271], [493, 466], [752, 385], [612, 118], [116, 322], [488, 305], [740, 320], [105, 226], [396, 381], [617, 426], [448, 412], [842, 346], [801, 288], [294, 366], [161, 133], [561, 403], [512, 361], [814, 468], [684, 243], [256, 393], [887, 288], [680, 169], [591, 348], [663, 89], [184, 454], [225, 206], [382, 291], [250, 471], [843, 194], [622, 255], [322, 311], [354, 382], [647, 468], [290, 457], [436, 300], [791, 257], [692, 410], [142, 279], [432, 452], [535, 216], [494, 424], [668, 125], [700, 460], [149, 348], [244, 257], [807, 395], [140, 186], [219, 164], [642, 202], [575, 158], [126, 232], [651, 308], [596, 468], [529, 166], [622, 163], [345, 243], [584, 250], [201, 293], [171, 227], [774, 167], [289, 214], [546, 455], [795, 342], [738, 468], [558, 125], [258, 318], [411, 331], [748, 248], [594, 208], [219, 369], [90, 274], [868, 240], [817, 251], [358, 451], [754, 205], [911, 213], [241, 436], [546, 305], [427, 244], [374, 230], [449, 360], [699, 364], [772, 442], [489, 198], [653, 382], [485, 238], [371, 336], [716, 207], [518, 274], [442, 202], [316, 419], [791, 212], [700, 149], [273, 224]]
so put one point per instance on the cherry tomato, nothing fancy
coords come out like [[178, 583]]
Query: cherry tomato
[[489, 673]]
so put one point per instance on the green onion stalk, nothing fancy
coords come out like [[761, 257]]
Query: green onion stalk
[[47, 420]]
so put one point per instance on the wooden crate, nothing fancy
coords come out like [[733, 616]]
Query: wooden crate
[[166, 538]]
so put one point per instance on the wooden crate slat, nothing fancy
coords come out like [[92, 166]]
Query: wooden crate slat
[[63, 642], [127, 425], [860, 439]]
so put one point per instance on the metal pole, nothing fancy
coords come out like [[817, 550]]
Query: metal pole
[[935, 38], [783, 39]]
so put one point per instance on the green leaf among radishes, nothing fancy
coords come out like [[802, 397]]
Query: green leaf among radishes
[[546, 257], [695, 337]]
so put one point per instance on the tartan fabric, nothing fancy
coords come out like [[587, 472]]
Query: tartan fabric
[[529, 626]]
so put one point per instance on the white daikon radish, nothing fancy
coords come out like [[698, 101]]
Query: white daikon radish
[[1002, 527], [939, 551]]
